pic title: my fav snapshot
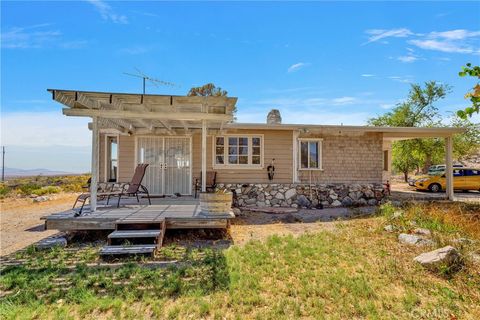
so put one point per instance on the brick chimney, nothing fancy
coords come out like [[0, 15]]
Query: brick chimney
[[274, 117]]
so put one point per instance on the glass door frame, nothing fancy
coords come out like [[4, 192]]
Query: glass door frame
[[163, 167]]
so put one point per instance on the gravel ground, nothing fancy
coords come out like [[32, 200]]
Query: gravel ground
[[20, 224]]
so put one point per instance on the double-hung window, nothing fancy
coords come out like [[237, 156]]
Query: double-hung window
[[238, 151], [310, 154]]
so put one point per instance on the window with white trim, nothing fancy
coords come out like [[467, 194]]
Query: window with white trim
[[310, 154], [238, 151]]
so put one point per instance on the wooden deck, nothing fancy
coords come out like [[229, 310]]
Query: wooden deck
[[176, 216]]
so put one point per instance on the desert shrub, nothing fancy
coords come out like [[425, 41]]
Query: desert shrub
[[47, 190], [387, 210], [4, 190], [28, 188]]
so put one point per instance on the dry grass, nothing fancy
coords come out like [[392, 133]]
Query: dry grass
[[463, 216], [41, 185], [355, 270]]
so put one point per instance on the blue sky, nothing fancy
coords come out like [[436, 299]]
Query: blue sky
[[327, 63]]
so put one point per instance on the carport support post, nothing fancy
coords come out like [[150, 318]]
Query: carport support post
[[449, 167], [204, 155], [95, 152]]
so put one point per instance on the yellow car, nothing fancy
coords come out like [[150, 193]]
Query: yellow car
[[463, 179]]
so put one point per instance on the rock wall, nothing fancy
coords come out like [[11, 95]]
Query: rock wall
[[304, 195]]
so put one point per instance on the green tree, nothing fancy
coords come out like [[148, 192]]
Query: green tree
[[468, 142], [210, 90], [418, 110], [207, 90], [474, 95]]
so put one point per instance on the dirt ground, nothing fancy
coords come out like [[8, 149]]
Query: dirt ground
[[259, 226], [20, 223]]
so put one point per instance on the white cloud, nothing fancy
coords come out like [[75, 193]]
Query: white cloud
[[407, 58], [378, 34], [29, 37], [402, 79], [443, 46], [297, 66], [451, 41], [343, 101], [367, 75], [107, 12], [458, 34], [36, 37], [44, 129]]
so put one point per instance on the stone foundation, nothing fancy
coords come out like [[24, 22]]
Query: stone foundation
[[305, 195]]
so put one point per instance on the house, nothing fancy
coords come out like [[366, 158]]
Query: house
[[181, 137]]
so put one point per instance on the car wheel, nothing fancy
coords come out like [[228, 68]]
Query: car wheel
[[435, 187]]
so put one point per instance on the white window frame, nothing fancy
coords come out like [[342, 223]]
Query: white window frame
[[227, 165], [106, 152], [320, 154]]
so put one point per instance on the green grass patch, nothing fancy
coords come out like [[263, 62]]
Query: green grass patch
[[354, 271]]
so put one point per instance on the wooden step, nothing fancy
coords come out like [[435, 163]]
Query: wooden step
[[129, 234], [124, 250]]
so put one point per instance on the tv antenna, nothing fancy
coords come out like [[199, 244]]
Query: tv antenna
[[153, 81]]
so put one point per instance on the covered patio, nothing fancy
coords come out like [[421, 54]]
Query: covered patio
[[147, 115]]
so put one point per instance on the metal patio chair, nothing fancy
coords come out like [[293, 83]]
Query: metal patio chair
[[131, 189]]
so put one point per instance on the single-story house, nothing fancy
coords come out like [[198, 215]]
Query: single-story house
[[182, 138]]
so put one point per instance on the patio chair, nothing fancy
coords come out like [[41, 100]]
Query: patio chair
[[134, 188], [211, 182]]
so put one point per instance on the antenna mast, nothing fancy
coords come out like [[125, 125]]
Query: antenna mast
[[153, 81]]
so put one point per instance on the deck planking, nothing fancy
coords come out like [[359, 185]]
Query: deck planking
[[176, 216]]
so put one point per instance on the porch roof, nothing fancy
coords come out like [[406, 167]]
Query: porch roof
[[126, 112]]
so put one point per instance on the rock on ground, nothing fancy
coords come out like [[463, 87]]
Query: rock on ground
[[444, 257], [49, 243], [414, 240], [422, 231], [41, 199], [389, 228]]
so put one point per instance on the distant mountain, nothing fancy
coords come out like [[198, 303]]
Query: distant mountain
[[15, 172]]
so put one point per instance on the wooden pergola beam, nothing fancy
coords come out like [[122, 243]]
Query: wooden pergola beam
[[115, 114]]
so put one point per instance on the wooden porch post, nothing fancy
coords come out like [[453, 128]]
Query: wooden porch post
[[449, 167], [204, 155], [95, 154]]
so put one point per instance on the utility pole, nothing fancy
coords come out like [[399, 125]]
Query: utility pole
[[3, 163]]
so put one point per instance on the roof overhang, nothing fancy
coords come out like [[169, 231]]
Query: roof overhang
[[390, 133]]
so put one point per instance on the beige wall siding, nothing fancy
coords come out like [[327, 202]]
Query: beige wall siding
[[276, 144], [348, 159], [126, 158]]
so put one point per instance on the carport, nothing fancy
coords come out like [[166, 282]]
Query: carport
[[395, 134]]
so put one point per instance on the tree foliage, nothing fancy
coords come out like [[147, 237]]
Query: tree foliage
[[474, 95], [418, 110], [210, 90], [207, 90]]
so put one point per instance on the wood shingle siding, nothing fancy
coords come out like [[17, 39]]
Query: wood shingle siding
[[348, 159]]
